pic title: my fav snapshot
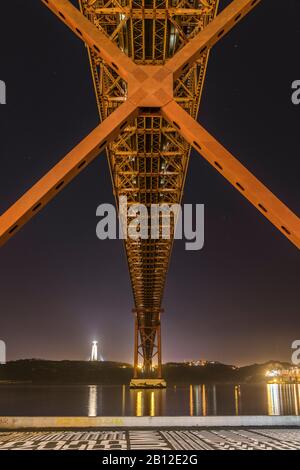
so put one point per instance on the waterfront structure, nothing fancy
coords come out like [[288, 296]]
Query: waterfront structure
[[148, 60], [280, 376]]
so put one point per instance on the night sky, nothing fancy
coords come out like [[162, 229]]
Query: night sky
[[235, 301]]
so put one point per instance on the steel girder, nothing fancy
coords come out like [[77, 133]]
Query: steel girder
[[148, 61]]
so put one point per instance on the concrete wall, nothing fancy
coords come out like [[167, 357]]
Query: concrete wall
[[40, 422]]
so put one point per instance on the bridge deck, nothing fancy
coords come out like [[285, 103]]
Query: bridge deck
[[149, 159]]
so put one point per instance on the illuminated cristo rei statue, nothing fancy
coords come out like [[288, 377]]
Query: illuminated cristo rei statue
[[94, 355]]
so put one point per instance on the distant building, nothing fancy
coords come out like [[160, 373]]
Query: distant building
[[291, 375], [199, 362], [196, 363]]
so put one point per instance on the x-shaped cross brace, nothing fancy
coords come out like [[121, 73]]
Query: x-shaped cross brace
[[150, 86]]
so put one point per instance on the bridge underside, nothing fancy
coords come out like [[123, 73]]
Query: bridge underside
[[148, 61], [149, 159]]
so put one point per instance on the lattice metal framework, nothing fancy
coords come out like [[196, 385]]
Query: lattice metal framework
[[149, 159], [148, 61]]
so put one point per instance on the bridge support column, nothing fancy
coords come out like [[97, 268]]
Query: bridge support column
[[147, 350]]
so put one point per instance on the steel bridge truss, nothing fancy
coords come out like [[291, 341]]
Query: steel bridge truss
[[148, 60]]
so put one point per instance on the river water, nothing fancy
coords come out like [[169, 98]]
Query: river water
[[193, 400]]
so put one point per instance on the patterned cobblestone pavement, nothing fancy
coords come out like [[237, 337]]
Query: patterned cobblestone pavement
[[170, 439]]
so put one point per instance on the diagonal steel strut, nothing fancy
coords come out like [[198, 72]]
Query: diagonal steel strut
[[92, 36], [150, 86], [223, 161], [210, 35], [64, 171]]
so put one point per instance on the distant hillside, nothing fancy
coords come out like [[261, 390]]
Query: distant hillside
[[217, 372], [43, 371], [37, 370]]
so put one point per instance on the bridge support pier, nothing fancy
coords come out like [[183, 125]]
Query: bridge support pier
[[147, 349]]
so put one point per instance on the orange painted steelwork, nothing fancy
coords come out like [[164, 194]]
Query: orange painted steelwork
[[148, 87]]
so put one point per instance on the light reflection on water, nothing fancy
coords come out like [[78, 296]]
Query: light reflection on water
[[93, 400], [283, 399], [192, 400], [280, 399]]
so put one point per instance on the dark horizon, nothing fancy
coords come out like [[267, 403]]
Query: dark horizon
[[236, 300], [130, 363]]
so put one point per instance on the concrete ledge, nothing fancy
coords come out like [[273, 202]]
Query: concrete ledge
[[148, 383], [49, 422]]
